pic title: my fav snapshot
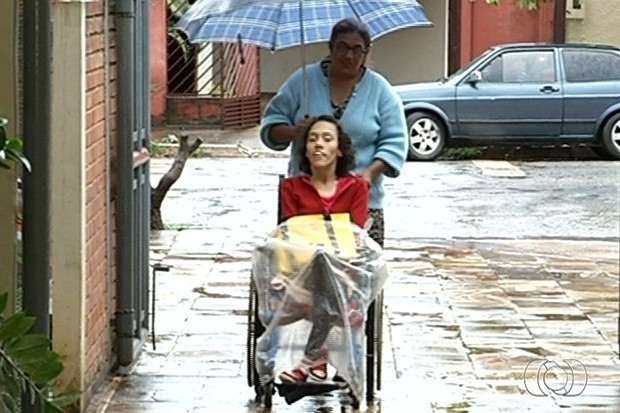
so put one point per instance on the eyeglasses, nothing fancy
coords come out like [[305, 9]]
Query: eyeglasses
[[342, 48]]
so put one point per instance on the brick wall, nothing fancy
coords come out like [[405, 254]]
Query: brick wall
[[99, 283]]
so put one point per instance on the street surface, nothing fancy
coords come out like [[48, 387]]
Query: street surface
[[437, 200], [493, 267]]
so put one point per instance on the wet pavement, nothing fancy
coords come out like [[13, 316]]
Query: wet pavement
[[469, 316], [430, 200]]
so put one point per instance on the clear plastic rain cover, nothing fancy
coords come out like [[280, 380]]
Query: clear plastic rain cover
[[316, 277]]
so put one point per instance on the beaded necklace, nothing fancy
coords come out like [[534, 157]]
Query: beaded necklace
[[338, 110]]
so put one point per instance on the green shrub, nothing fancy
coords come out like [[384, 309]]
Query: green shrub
[[10, 149], [28, 366]]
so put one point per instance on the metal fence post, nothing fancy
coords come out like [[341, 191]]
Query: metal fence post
[[125, 313], [37, 50]]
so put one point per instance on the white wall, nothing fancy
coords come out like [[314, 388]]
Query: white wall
[[8, 178], [598, 23], [409, 55], [67, 180]]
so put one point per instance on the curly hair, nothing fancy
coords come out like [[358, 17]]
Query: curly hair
[[345, 163]]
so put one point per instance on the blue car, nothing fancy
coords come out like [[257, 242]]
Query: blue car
[[520, 94]]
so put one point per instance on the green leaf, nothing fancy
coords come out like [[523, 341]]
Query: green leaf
[[3, 137], [28, 367], [30, 347], [50, 408], [16, 326], [29, 391], [4, 299], [43, 370], [19, 158], [15, 145], [66, 398], [12, 384], [26, 163], [9, 402]]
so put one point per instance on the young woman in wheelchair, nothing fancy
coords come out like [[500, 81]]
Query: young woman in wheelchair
[[326, 187]]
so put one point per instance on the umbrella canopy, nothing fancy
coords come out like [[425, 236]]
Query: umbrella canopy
[[278, 24]]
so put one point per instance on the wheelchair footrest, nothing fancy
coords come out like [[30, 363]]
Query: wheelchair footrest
[[293, 392]]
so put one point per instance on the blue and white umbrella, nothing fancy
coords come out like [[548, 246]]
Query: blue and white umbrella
[[278, 24]]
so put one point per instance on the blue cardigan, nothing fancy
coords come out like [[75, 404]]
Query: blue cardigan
[[374, 119]]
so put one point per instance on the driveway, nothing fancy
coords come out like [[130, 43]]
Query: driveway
[[495, 268]]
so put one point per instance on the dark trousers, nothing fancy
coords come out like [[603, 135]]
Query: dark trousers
[[326, 310]]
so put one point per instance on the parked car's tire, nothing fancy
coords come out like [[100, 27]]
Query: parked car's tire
[[427, 136], [611, 136], [601, 152]]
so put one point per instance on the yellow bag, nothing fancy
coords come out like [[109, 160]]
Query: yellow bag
[[303, 234]]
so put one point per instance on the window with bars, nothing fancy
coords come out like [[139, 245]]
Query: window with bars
[[575, 9]]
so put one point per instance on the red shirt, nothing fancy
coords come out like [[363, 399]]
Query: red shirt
[[300, 197]]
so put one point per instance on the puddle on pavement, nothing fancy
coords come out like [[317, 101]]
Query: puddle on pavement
[[460, 407], [423, 329], [562, 317]]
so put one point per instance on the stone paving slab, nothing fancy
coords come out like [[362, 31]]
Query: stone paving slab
[[462, 321]]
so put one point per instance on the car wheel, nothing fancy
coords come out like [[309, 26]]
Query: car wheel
[[611, 136], [601, 152], [427, 136]]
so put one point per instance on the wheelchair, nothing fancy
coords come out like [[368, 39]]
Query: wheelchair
[[373, 337]]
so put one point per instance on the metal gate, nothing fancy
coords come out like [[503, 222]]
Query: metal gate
[[208, 78], [133, 194]]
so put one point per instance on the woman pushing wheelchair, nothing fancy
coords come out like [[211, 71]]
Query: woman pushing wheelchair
[[318, 272]]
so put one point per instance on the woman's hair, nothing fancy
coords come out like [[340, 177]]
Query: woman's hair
[[344, 163], [350, 25]]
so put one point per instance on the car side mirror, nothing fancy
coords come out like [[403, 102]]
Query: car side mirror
[[475, 77]]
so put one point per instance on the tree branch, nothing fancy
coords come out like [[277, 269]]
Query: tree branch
[[187, 146]]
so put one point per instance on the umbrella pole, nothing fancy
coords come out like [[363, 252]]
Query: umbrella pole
[[303, 62], [305, 81]]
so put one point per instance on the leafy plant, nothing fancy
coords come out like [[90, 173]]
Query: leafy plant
[[27, 365], [11, 149]]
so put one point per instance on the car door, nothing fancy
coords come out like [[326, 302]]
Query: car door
[[518, 95], [592, 84]]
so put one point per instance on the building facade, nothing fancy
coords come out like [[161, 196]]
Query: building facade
[[593, 21]]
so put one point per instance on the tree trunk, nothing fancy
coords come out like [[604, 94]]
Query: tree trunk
[[187, 146]]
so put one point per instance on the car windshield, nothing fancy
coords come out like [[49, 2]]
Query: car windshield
[[467, 66]]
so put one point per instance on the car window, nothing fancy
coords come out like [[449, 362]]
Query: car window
[[590, 65], [520, 67], [470, 64]]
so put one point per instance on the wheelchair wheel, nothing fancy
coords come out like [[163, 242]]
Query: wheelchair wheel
[[249, 344], [374, 347], [379, 339], [268, 391], [255, 330], [370, 352]]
